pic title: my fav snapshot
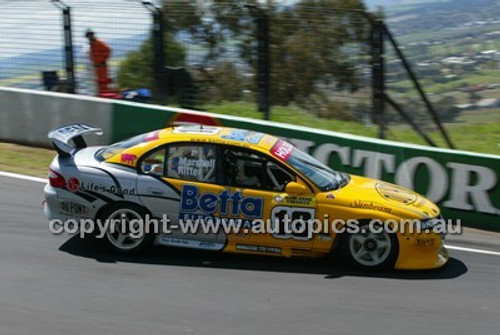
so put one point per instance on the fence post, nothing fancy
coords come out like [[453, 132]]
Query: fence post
[[263, 63], [378, 77], [68, 45], [158, 42]]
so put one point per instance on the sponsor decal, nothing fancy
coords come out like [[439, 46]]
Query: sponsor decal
[[282, 150], [243, 136], [324, 237], [255, 138], [152, 136], [293, 200], [191, 167], [71, 207], [370, 205], [187, 243], [258, 248], [396, 193], [74, 128], [225, 204], [268, 140], [128, 158], [425, 242], [85, 186], [73, 185]]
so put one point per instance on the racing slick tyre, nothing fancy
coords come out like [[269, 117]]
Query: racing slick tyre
[[126, 233], [370, 251]]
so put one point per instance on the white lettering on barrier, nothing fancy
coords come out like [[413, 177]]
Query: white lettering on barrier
[[324, 151], [438, 178], [303, 145], [462, 193], [461, 189], [374, 162]]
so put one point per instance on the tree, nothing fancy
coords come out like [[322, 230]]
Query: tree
[[309, 45], [136, 71], [315, 45], [446, 109], [223, 83]]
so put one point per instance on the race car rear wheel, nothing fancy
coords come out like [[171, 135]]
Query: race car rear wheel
[[126, 232], [368, 250]]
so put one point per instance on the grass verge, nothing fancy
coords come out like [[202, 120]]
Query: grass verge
[[25, 160]]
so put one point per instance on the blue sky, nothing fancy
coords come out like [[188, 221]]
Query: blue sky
[[38, 23]]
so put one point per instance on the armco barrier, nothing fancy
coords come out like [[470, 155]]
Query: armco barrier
[[464, 184]]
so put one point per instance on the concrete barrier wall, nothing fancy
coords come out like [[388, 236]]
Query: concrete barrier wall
[[465, 185], [26, 116]]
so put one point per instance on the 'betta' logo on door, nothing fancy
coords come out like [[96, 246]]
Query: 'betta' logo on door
[[225, 203]]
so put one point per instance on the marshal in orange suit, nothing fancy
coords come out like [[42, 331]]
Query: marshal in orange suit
[[99, 54]]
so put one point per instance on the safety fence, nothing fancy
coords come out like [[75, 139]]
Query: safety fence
[[308, 55], [38, 36], [310, 60]]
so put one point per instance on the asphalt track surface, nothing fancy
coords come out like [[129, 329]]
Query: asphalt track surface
[[64, 285]]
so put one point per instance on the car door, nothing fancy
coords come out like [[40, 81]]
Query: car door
[[180, 180], [260, 177]]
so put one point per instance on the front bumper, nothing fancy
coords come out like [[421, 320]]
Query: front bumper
[[421, 251]]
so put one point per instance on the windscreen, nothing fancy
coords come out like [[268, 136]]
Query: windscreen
[[321, 175]]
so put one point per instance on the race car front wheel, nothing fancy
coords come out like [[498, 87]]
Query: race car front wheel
[[368, 250], [126, 232]]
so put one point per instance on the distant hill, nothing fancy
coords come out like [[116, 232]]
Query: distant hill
[[27, 62], [388, 3], [439, 15]]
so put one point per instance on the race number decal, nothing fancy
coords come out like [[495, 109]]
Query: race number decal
[[291, 222]]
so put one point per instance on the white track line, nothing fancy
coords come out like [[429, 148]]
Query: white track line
[[22, 176], [476, 251], [451, 247]]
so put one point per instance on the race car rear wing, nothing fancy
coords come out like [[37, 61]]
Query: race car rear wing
[[62, 136]]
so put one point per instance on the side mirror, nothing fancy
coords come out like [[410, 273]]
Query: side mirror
[[295, 188]]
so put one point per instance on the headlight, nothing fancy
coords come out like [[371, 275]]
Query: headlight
[[430, 223], [436, 225]]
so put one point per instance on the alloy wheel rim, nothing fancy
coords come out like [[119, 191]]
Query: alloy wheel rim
[[370, 249], [119, 232]]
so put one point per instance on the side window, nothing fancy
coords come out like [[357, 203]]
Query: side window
[[154, 163], [194, 162], [250, 170]]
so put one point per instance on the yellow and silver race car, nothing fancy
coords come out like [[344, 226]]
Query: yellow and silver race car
[[237, 191]]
